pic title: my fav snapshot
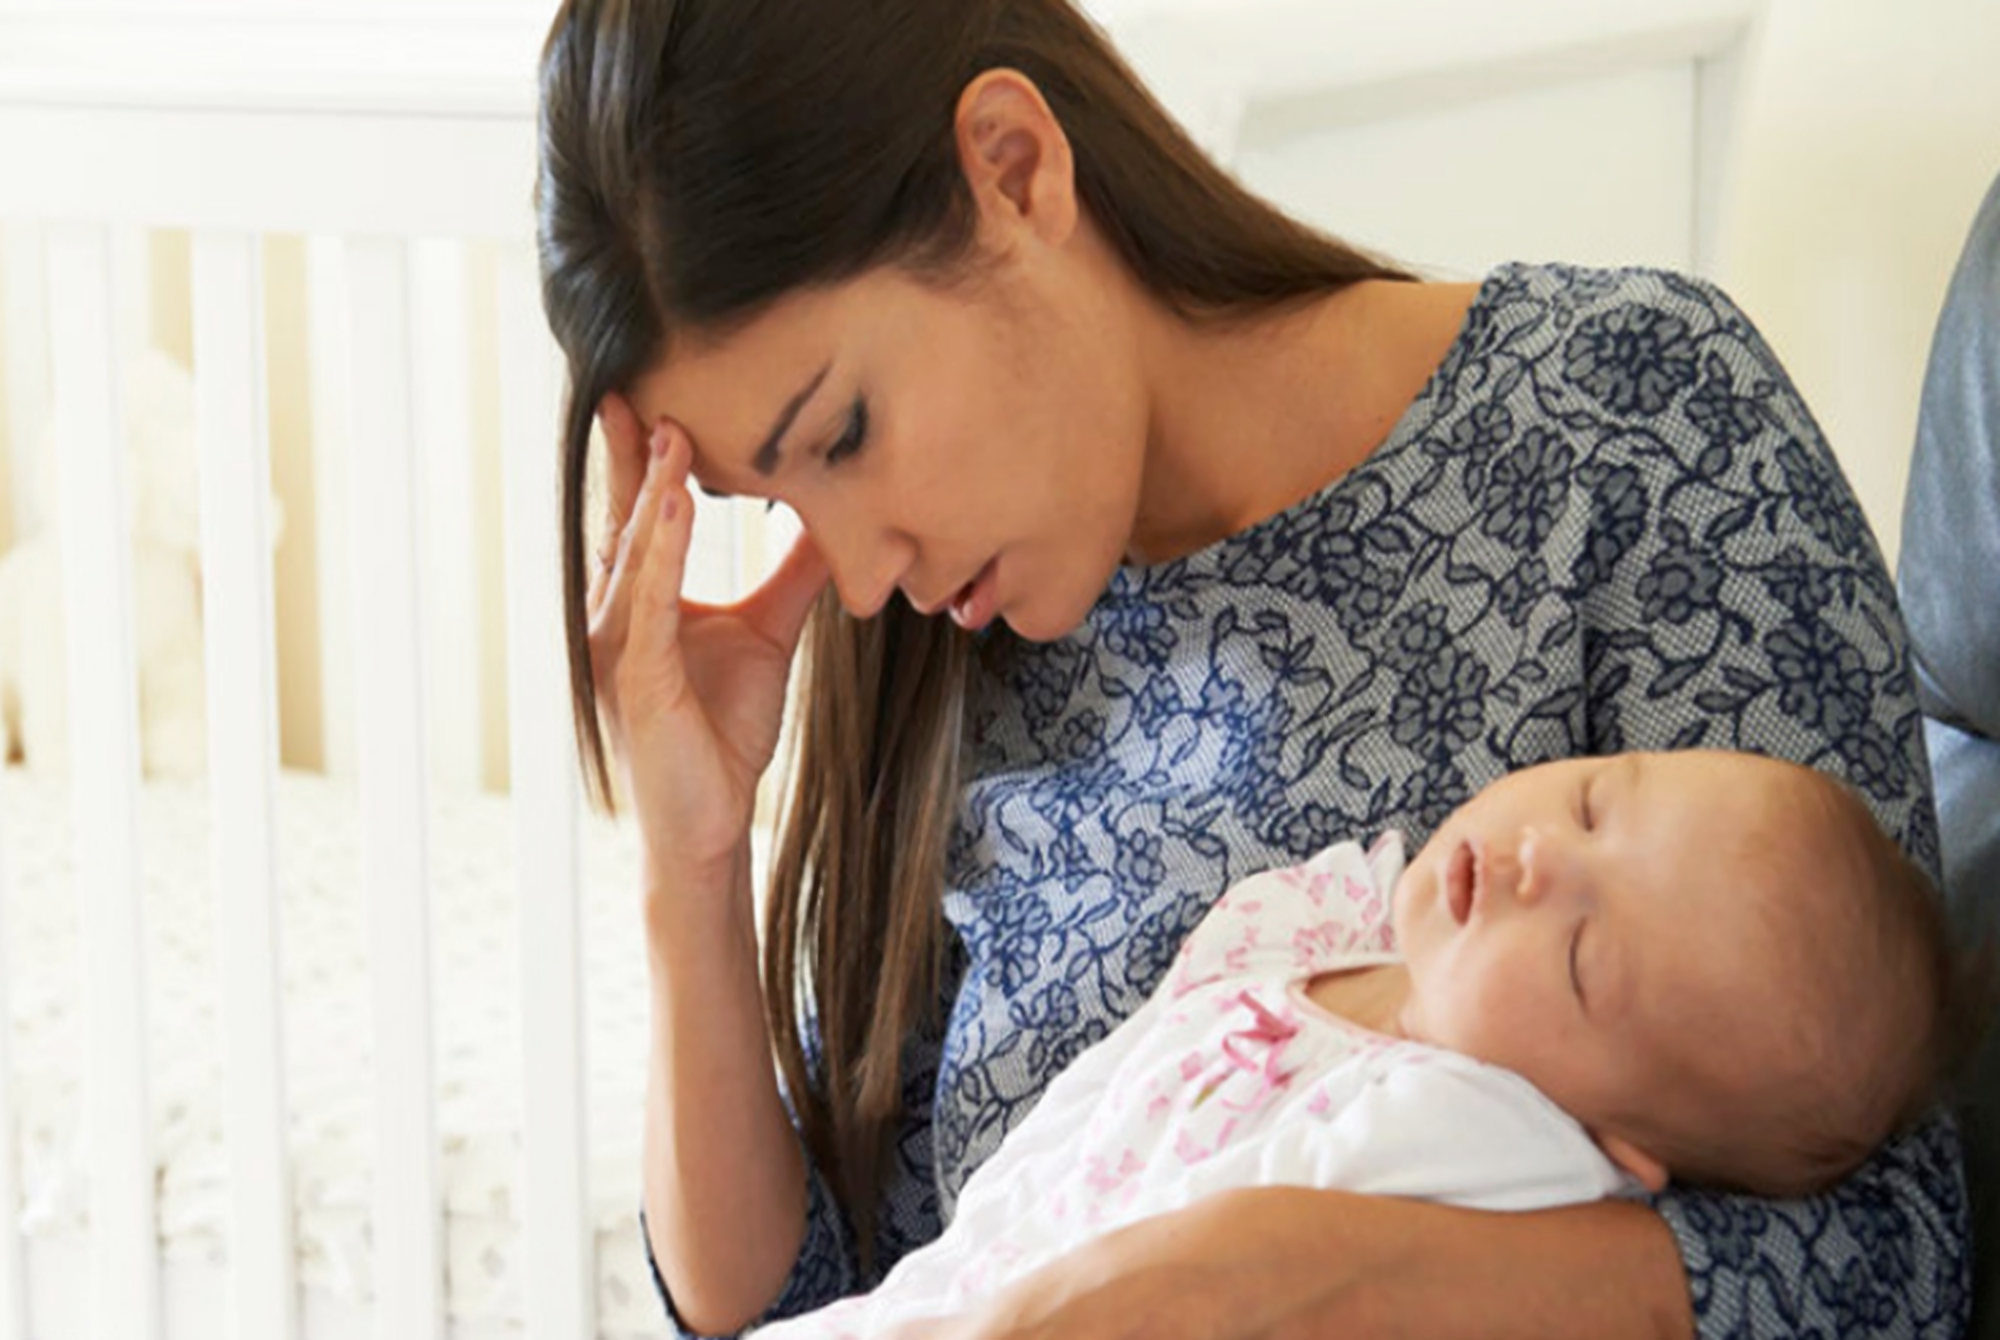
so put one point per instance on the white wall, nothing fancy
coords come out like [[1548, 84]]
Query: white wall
[[1853, 141], [1870, 132]]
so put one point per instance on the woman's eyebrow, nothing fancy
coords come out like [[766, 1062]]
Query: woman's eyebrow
[[765, 462], [767, 459]]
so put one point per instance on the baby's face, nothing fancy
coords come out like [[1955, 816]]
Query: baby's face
[[1589, 925]]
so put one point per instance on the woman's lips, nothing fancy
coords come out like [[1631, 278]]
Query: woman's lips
[[1461, 882], [976, 603]]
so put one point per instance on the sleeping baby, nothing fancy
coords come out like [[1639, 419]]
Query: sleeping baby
[[1598, 975]]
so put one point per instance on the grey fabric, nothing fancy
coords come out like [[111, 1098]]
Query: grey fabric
[[1949, 578], [1949, 582]]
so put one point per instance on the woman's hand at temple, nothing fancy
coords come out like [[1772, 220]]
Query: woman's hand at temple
[[692, 695], [1285, 1263]]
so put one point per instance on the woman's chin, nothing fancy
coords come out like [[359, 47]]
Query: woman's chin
[[1038, 622]]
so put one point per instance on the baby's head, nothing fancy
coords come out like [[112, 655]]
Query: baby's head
[[1717, 962]]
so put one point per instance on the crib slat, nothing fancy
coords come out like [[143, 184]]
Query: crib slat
[[239, 618], [559, 1235], [443, 386], [13, 1265], [131, 294], [104, 762], [328, 344], [388, 684], [27, 370]]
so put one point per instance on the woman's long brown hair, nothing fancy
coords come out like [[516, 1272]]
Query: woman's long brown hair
[[701, 159]]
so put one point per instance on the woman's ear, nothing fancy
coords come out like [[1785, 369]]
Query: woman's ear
[[1016, 158], [1652, 1173]]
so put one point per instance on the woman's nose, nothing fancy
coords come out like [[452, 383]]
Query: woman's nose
[[861, 596], [865, 569]]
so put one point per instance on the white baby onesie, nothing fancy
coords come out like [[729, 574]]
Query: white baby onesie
[[1230, 1077]]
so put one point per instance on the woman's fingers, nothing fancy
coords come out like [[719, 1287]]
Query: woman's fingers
[[625, 447], [610, 611], [662, 562]]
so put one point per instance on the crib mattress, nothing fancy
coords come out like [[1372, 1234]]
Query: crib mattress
[[328, 1032]]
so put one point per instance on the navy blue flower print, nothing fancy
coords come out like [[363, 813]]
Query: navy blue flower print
[[1813, 493], [1680, 582], [1873, 760], [1482, 433], [1139, 862], [1725, 418], [1083, 737], [1052, 1018], [1154, 940], [1729, 1226], [1526, 489], [1823, 682], [1361, 602], [1158, 703], [1416, 636], [1045, 683], [1020, 936], [1309, 827], [1251, 770], [1861, 1306], [1438, 709], [1522, 588], [1801, 586], [1432, 792], [1885, 1244], [1618, 518], [1631, 359], [1138, 631]]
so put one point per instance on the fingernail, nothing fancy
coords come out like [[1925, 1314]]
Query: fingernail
[[659, 440]]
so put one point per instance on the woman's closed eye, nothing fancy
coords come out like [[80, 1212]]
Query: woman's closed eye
[[854, 438]]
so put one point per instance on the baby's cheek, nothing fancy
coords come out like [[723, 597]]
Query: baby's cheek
[[1487, 1016]]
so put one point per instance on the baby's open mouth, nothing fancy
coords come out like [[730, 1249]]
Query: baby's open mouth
[[1461, 879]]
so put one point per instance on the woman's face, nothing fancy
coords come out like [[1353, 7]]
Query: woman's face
[[975, 449]]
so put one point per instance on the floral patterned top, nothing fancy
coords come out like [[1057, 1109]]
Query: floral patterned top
[[1607, 522]]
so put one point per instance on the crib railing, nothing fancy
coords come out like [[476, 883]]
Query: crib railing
[[390, 187]]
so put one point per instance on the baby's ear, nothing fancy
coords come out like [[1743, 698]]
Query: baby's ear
[[1652, 1173]]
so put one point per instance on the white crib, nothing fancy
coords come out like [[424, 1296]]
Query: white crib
[[401, 150], [404, 159]]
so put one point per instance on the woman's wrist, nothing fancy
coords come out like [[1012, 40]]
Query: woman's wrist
[[708, 905]]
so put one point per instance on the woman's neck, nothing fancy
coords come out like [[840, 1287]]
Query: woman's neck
[[1252, 417]]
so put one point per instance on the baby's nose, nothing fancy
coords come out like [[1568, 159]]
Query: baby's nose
[[1541, 865], [1518, 866]]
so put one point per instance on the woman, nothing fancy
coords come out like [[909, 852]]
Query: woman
[[1214, 540]]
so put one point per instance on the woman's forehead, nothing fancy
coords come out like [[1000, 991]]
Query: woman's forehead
[[740, 395]]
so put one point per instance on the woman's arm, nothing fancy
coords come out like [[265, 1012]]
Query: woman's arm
[[691, 697], [804, 1258], [1286, 1263], [725, 1179]]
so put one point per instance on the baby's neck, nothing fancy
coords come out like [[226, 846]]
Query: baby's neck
[[1371, 997]]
